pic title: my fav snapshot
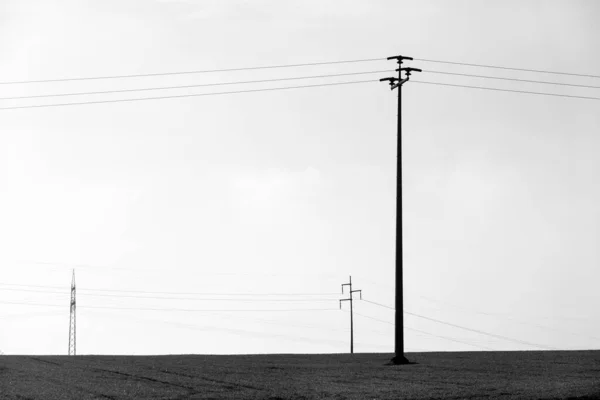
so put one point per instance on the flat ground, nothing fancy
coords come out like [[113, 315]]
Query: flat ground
[[461, 375]]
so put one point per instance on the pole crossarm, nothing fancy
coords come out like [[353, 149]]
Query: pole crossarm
[[347, 284], [408, 71], [400, 58], [343, 300]]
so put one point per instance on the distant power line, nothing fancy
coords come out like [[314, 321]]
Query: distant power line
[[466, 328], [32, 315], [510, 318], [237, 330], [192, 72], [174, 293], [507, 68], [428, 333], [174, 298], [172, 309], [482, 332], [104, 268]]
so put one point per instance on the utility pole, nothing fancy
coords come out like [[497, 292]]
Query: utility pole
[[399, 357], [351, 312], [72, 335]]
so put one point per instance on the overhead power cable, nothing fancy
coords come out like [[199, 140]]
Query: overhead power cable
[[65, 293], [510, 318], [466, 328], [206, 327], [507, 68], [501, 315], [173, 293], [428, 333], [238, 317], [506, 90], [187, 95], [290, 66], [189, 86], [105, 268], [32, 315], [482, 332], [172, 309], [286, 88], [193, 72], [508, 79]]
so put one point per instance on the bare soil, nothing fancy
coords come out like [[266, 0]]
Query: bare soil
[[456, 375]]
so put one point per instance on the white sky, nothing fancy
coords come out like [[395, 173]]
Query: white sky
[[292, 191]]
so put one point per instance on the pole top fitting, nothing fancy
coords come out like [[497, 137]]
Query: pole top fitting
[[399, 58], [410, 69], [392, 82]]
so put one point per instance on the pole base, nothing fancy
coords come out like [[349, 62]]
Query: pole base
[[399, 360]]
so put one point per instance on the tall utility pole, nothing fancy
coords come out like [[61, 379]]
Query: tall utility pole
[[350, 299], [72, 335], [399, 357]]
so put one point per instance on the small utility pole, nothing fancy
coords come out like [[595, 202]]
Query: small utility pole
[[72, 325], [351, 312], [399, 357]]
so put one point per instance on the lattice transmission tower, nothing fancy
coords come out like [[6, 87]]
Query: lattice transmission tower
[[72, 325]]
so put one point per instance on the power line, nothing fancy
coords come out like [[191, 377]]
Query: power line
[[509, 79], [507, 68], [451, 339], [507, 90], [254, 319], [379, 304], [290, 66], [189, 86], [39, 286], [214, 293], [497, 315], [370, 329], [508, 317], [172, 298], [30, 315], [482, 332], [428, 333], [465, 328], [173, 309], [176, 293], [232, 330], [59, 265], [185, 95], [286, 88], [193, 72], [376, 319]]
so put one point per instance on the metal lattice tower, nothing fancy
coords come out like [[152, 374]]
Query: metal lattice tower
[[72, 319]]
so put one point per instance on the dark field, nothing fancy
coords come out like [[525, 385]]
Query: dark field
[[464, 375]]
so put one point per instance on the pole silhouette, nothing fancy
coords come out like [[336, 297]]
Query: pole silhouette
[[350, 299], [72, 325], [399, 357]]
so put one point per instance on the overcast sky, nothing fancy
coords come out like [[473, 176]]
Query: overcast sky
[[285, 193]]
